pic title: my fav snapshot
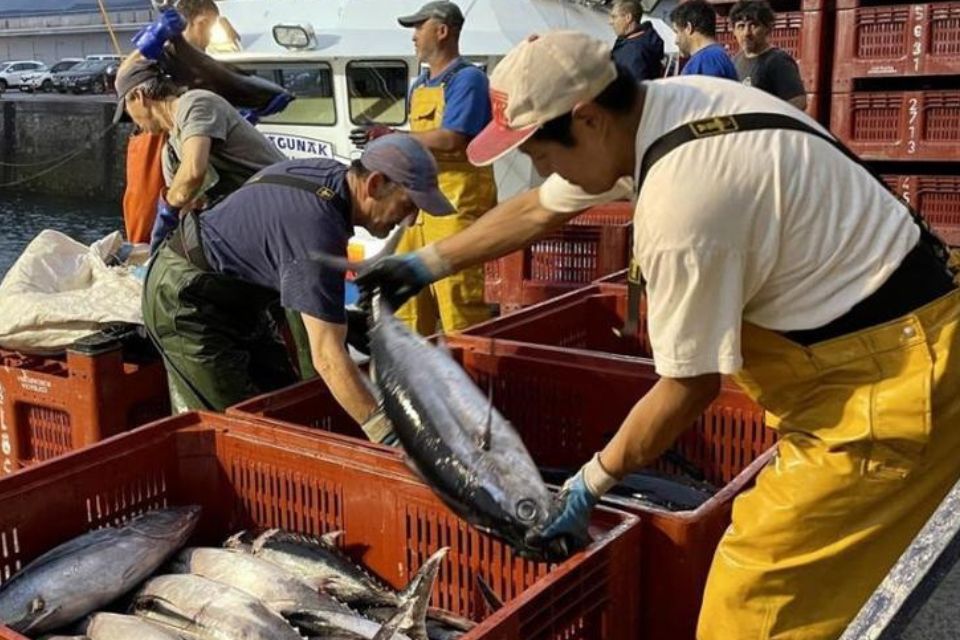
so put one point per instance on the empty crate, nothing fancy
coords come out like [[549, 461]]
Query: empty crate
[[52, 405], [898, 40], [592, 245]]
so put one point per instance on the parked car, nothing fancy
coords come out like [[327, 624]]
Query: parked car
[[11, 73], [44, 80], [90, 76], [105, 56]]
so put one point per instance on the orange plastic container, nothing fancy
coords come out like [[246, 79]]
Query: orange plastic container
[[247, 474], [899, 125], [590, 246], [52, 405], [566, 403], [587, 319], [936, 197], [896, 41]]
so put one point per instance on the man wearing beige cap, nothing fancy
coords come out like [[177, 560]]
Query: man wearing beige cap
[[771, 255]]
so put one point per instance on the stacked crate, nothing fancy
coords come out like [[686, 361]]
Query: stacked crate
[[896, 100], [804, 29]]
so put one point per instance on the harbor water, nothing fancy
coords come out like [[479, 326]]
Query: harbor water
[[23, 216]]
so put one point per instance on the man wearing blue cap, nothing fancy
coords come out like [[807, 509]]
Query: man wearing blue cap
[[208, 289]]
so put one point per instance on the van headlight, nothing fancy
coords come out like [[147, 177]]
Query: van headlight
[[294, 36]]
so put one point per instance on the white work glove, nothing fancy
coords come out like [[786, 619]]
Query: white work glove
[[379, 429]]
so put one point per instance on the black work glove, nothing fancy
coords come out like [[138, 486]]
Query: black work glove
[[360, 136], [357, 329], [397, 277]]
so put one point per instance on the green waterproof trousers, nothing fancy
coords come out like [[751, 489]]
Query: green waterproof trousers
[[218, 340]]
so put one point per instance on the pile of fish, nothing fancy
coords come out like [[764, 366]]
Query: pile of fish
[[274, 586]]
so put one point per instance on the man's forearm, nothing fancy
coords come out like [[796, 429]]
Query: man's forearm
[[183, 190], [442, 140], [346, 383], [509, 226], [659, 418]]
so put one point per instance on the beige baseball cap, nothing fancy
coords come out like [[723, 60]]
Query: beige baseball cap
[[540, 79]]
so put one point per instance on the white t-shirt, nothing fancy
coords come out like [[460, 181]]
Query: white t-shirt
[[774, 227]]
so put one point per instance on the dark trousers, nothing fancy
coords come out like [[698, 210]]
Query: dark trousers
[[218, 340]]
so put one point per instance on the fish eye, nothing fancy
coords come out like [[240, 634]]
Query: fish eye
[[527, 510]]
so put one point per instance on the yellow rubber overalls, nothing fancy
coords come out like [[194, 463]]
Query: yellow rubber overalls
[[457, 301], [869, 444]]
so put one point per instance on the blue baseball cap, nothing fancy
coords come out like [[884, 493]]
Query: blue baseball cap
[[405, 161]]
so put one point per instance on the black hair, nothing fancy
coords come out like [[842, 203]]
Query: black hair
[[698, 14], [193, 9], [160, 88], [619, 96], [633, 8], [357, 168], [756, 11]]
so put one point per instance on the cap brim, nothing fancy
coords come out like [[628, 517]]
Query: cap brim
[[433, 202], [121, 110], [412, 21], [496, 141]]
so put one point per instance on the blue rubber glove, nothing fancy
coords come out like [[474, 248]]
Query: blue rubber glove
[[163, 225], [569, 529], [150, 40], [398, 278], [576, 502], [250, 115], [277, 104]]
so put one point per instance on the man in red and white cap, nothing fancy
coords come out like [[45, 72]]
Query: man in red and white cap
[[768, 254]]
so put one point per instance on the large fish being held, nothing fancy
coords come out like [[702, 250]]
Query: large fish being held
[[102, 565], [469, 454]]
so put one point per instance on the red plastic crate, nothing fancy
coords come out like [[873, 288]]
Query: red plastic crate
[[898, 40], [566, 404], [590, 246], [937, 198], [587, 319], [52, 405], [247, 474], [899, 125], [799, 33]]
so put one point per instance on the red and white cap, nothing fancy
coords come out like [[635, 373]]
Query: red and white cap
[[540, 79]]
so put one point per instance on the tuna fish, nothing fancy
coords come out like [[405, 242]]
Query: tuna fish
[[469, 454], [113, 626], [102, 565], [209, 610], [286, 593], [323, 566]]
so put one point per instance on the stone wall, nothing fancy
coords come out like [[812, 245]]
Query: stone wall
[[34, 132]]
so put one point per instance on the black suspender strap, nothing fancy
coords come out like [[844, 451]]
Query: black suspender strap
[[320, 190], [721, 125]]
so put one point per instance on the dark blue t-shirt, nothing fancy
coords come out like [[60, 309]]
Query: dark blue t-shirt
[[466, 96], [265, 233], [712, 60], [640, 53]]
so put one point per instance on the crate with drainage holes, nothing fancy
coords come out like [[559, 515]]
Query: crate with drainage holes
[[101, 385], [249, 475], [592, 245], [935, 197], [567, 402]]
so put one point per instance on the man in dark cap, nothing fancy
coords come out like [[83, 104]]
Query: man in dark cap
[[449, 105], [211, 149], [209, 288]]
